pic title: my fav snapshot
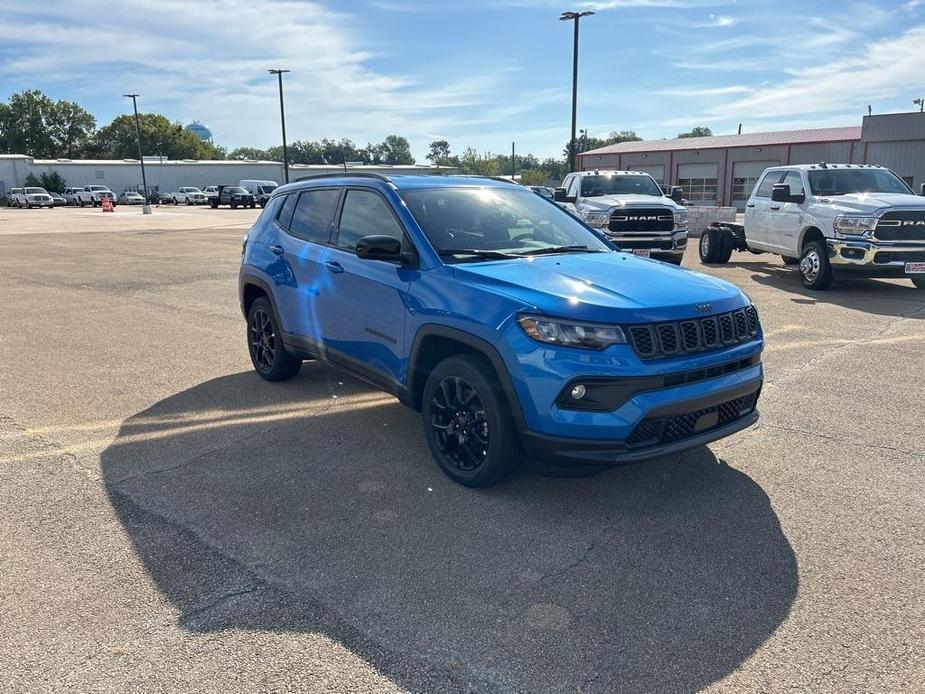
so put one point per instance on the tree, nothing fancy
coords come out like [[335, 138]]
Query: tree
[[439, 154], [587, 143], [395, 150], [244, 153], [53, 182], [471, 162], [534, 177], [32, 181], [158, 137], [34, 124], [699, 131]]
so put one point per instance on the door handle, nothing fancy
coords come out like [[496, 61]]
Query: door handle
[[334, 266], [750, 204], [279, 250], [775, 207]]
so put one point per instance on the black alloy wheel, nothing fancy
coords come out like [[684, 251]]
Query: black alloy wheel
[[264, 342], [459, 424]]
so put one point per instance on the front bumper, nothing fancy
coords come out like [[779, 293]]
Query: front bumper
[[665, 430], [665, 245], [874, 258]]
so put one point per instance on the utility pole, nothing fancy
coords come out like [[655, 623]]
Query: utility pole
[[513, 169], [575, 17], [282, 116], [146, 209]]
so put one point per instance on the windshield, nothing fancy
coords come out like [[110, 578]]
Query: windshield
[[496, 221], [36, 191], [98, 188], [235, 189], [604, 184], [266, 189], [844, 181]]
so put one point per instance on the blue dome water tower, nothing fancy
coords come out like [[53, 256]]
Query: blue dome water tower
[[200, 131]]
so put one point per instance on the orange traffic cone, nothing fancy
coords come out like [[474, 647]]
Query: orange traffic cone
[[107, 205]]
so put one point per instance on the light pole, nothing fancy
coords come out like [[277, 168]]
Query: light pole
[[146, 209], [282, 116], [575, 17], [920, 102]]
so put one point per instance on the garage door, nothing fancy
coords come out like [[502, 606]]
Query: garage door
[[745, 175], [699, 182], [656, 171]]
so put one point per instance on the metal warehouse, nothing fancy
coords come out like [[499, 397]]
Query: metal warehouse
[[166, 175], [722, 170]]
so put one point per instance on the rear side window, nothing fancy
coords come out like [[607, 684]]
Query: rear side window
[[311, 219], [768, 183], [285, 214], [364, 214]]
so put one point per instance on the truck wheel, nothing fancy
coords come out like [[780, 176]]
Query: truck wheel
[[708, 246], [724, 247], [815, 269], [213, 205], [467, 422], [789, 260], [234, 205], [919, 281], [265, 344]]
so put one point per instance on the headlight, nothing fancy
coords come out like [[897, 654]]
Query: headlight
[[680, 220], [556, 331], [854, 226], [596, 219]]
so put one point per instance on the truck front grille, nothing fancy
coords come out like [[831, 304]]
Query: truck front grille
[[902, 225], [642, 219], [695, 335], [661, 430]]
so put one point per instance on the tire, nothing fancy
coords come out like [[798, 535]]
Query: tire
[[674, 261], [188, 202], [919, 281], [724, 247], [265, 344], [463, 395], [789, 260], [234, 205], [707, 246], [815, 269]]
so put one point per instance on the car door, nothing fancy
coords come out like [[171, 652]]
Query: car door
[[758, 210], [302, 227], [787, 217], [363, 304]]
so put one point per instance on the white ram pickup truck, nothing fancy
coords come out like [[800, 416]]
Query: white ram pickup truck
[[630, 208], [829, 219], [31, 197], [93, 195], [189, 195]]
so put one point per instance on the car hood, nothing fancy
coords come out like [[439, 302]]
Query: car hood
[[869, 202], [604, 203], [604, 287]]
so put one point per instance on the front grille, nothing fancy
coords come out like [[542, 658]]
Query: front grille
[[661, 430], [908, 225], [899, 257], [695, 335], [642, 219]]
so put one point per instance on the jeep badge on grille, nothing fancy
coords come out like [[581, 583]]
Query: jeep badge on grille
[[704, 308]]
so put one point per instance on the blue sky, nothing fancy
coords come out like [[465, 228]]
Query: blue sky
[[478, 73]]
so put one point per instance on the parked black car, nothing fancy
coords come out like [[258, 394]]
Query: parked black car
[[234, 196], [158, 198]]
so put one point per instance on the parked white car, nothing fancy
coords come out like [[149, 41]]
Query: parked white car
[[71, 195], [31, 197], [189, 195], [93, 195], [210, 191], [829, 219]]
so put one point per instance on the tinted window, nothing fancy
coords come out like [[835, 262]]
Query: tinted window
[[313, 213], [285, 214], [610, 184], [767, 184], [795, 181], [845, 181], [365, 213]]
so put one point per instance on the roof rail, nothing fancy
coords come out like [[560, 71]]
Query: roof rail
[[344, 174], [501, 179]]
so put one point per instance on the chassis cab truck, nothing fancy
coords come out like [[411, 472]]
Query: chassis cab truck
[[829, 219]]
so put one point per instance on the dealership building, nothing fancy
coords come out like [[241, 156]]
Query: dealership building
[[166, 175], [722, 170]]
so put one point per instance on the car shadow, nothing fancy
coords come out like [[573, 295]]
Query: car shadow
[[312, 506], [860, 293]]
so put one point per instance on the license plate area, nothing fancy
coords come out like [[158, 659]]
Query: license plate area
[[646, 253], [915, 268]]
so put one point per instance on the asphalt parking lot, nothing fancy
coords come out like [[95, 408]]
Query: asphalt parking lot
[[170, 522]]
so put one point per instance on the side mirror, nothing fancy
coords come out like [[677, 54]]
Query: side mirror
[[559, 195], [922, 189], [781, 193], [379, 248], [677, 194]]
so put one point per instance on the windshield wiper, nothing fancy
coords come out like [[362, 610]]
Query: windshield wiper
[[562, 249], [488, 255]]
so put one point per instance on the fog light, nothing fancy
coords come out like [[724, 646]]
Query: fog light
[[578, 392]]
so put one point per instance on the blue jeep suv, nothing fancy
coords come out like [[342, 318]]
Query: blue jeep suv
[[512, 326]]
